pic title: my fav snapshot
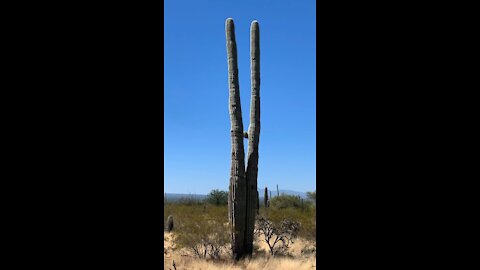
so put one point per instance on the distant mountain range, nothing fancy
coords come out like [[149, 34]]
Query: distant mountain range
[[177, 196]]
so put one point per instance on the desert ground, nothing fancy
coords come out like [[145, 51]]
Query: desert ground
[[261, 259]]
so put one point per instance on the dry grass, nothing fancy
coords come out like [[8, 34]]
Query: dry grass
[[261, 259]]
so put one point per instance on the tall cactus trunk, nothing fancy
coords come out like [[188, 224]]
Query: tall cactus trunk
[[237, 195], [253, 135], [243, 199]]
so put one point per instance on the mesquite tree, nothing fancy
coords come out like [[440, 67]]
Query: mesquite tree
[[243, 200]]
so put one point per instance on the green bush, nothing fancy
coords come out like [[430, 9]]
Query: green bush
[[189, 201], [217, 197], [203, 233], [286, 201], [312, 196]]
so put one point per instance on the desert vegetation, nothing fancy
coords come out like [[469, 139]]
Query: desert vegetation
[[284, 235], [231, 229]]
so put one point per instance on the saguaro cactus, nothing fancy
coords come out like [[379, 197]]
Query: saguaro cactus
[[237, 195], [253, 134], [243, 195], [265, 197]]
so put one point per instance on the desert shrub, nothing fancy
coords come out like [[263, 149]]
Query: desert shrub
[[203, 233], [306, 218], [189, 201], [277, 235], [217, 197], [312, 196], [309, 228], [285, 201]]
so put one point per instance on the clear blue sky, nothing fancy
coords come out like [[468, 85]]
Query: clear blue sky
[[197, 123]]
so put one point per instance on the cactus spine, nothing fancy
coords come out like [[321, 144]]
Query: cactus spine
[[243, 195], [265, 197]]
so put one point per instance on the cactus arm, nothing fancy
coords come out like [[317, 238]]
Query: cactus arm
[[253, 135]]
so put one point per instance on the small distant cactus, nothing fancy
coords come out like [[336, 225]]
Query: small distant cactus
[[170, 223], [265, 197], [258, 203]]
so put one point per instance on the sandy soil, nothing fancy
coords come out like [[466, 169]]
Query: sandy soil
[[260, 260]]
